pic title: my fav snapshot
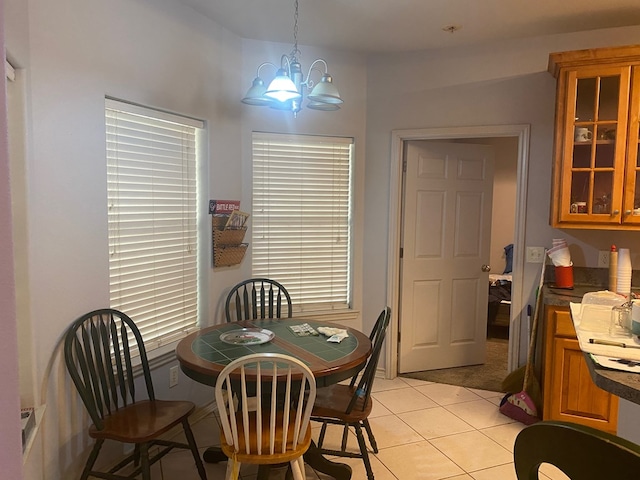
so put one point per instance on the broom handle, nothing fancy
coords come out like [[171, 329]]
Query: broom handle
[[534, 328]]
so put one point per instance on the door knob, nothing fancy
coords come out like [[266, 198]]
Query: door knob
[[486, 268]]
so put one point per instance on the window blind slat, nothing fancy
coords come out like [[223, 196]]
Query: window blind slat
[[301, 226], [151, 187]]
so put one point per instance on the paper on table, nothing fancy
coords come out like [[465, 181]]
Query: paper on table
[[584, 337], [625, 365]]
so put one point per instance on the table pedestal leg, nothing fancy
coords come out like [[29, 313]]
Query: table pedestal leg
[[315, 459]]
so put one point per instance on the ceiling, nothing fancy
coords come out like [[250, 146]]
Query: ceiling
[[388, 26]]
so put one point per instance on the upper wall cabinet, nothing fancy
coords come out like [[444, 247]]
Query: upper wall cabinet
[[596, 174]]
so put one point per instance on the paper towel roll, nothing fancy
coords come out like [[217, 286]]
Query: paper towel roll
[[623, 277]]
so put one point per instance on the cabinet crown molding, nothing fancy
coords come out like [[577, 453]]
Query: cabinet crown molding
[[629, 55]]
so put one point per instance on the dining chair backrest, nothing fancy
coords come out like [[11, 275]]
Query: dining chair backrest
[[365, 381], [98, 351], [381, 324], [285, 390], [578, 451], [258, 298]]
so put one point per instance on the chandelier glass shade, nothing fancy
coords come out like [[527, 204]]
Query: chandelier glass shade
[[288, 88]]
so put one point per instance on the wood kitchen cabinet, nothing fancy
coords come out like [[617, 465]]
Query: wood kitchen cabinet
[[569, 393], [596, 175]]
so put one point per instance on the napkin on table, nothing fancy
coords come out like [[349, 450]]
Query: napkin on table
[[336, 335]]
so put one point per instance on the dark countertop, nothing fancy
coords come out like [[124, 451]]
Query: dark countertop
[[623, 384], [562, 296]]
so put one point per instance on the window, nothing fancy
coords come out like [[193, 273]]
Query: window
[[301, 225], [151, 184]]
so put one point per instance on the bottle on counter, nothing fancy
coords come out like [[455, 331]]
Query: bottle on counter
[[613, 269]]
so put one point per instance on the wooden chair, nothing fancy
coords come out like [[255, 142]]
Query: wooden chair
[[582, 453], [350, 405], [257, 298], [98, 351], [278, 430]]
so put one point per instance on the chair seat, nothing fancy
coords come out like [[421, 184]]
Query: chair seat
[[265, 458], [332, 402], [143, 420]]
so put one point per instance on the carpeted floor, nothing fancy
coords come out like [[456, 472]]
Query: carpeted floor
[[488, 376]]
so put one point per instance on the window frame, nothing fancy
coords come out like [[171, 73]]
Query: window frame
[[164, 343], [345, 309]]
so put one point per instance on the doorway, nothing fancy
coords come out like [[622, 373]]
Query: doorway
[[446, 231], [462, 134]]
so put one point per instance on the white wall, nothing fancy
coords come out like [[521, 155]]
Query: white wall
[[11, 452], [493, 84], [75, 53], [154, 53]]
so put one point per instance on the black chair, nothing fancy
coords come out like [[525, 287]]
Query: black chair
[[350, 405], [98, 352], [257, 298], [580, 452]]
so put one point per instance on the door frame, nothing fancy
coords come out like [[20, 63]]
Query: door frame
[[398, 137]]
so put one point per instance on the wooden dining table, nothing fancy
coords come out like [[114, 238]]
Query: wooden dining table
[[204, 354]]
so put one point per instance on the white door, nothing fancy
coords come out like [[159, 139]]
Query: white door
[[446, 242]]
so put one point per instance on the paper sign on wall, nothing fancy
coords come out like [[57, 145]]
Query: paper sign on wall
[[223, 207]]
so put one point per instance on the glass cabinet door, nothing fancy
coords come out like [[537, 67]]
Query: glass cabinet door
[[594, 145], [631, 211]]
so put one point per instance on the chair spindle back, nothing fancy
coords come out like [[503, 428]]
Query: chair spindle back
[[365, 383], [98, 354], [285, 390], [258, 298]]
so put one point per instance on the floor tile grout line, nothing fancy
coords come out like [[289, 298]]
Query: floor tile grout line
[[461, 419], [486, 397]]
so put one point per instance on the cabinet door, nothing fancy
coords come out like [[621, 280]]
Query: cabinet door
[[592, 163], [631, 208], [569, 393], [575, 397]]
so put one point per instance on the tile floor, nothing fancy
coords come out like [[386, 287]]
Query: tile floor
[[424, 431]]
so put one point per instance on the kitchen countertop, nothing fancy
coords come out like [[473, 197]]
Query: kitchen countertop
[[623, 384], [563, 296]]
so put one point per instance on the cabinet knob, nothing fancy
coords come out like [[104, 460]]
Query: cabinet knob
[[627, 212], [616, 212]]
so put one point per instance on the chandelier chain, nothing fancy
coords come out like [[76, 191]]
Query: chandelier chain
[[295, 50], [290, 85]]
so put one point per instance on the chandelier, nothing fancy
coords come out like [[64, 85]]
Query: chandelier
[[287, 90]]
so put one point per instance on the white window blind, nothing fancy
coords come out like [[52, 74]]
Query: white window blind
[[301, 226], [151, 180]]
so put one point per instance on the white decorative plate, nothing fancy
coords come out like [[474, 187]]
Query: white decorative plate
[[247, 336]]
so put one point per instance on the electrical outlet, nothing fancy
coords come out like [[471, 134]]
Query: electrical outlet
[[535, 254], [603, 259], [173, 376]]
